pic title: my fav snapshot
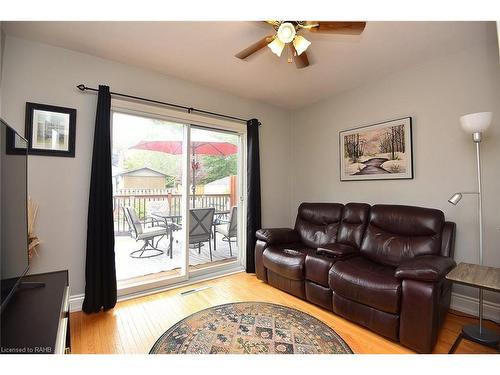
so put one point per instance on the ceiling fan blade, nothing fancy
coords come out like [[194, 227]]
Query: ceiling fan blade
[[301, 61], [273, 23], [331, 27], [255, 47]]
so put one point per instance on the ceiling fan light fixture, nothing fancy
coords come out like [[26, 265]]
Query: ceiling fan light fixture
[[286, 32], [301, 44], [276, 46]]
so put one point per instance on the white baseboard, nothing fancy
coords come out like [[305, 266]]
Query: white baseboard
[[76, 302], [470, 305], [466, 304]]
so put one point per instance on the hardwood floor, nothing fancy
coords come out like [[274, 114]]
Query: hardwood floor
[[133, 326]]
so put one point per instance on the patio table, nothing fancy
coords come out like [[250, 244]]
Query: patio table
[[172, 224]]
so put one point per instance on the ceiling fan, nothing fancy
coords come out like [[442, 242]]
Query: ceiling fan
[[287, 33]]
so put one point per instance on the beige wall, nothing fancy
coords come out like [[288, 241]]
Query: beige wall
[[435, 94], [45, 74], [138, 182]]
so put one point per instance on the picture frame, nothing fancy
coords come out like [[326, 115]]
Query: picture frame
[[50, 130], [381, 151], [14, 144]]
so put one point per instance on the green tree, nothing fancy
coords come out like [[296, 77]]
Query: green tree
[[217, 167], [169, 181], [161, 162]]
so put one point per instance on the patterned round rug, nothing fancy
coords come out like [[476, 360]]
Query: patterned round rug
[[250, 328]]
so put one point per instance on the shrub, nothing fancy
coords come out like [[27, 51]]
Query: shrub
[[395, 168]]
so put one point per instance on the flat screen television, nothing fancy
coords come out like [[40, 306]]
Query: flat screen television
[[14, 259]]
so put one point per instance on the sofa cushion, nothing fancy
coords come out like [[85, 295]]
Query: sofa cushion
[[354, 220], [288, 263], [318, 223], [366, 282], [317, 267], [396, 234], [276, 236]]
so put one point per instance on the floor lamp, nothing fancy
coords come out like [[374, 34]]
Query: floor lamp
[[476, 124]]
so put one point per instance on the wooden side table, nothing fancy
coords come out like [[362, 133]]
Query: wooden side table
[[479, 277]]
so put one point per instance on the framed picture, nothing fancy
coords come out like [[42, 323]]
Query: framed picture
[[50, 130], [381, 151], [14, 144]]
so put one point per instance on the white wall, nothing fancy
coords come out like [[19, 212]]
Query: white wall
[[45, 74], [435, 94]]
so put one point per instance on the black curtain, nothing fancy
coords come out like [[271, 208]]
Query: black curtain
[[100, 272], [253, 191]]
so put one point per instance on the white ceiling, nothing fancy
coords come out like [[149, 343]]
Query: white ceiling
[[203, 52]]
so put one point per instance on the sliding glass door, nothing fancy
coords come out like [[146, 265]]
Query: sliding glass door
[[177, 199], [148, 197], [213, 198]]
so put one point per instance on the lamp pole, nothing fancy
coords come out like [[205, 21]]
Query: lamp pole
[[479, 333], [475, 124], [477, 140]]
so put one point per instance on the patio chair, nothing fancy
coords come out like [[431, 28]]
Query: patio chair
[[147, 234], [230, 229], [201, 221], [157, 207]]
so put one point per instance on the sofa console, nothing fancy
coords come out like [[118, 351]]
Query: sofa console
[[381, 266]]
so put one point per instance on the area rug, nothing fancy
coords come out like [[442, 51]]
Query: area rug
[[250, 328]]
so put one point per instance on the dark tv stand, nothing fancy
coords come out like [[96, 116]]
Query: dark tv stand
[[23, 285], [36, 319]]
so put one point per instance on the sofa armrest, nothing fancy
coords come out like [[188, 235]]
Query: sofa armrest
[[277, 236], [336, 250], [425, 268]]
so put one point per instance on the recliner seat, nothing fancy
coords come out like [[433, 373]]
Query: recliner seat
[[366, 282], [382, 266]]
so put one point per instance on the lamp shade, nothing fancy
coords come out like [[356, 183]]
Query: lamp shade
[[455, 198], [300, 43], [276, 46], [476, 122]]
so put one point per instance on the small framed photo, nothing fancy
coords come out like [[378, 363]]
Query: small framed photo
[[50, 130], [14, 144], [380, 151]]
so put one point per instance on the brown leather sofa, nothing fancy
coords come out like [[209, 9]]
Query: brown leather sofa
[[381, 266]]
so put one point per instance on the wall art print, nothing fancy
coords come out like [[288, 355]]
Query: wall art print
[[380, 151]]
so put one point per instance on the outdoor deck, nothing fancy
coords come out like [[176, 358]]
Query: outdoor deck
[[128, 267]]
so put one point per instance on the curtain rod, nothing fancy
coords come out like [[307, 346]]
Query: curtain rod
[[82, 87]]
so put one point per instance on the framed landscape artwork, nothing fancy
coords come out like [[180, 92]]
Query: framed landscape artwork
[[381, 151], [50, 130]]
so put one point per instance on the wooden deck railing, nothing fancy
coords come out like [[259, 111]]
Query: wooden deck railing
[[144, 205]]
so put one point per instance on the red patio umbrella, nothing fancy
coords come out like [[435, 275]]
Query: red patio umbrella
[[197, 147], [213, 148]]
